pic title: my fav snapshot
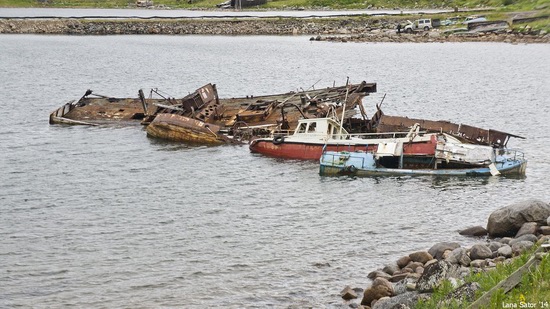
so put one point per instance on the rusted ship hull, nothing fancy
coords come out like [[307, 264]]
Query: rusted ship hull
[[278, 148], [101, 110], [179, 128]]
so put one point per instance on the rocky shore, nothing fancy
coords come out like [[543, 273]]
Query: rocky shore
[[362, 29], [510, 231]]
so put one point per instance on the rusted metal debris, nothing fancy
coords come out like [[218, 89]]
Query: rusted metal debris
[[202, 117], [469, 133]]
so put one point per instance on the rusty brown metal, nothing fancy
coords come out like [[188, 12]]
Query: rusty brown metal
[[469, 133]]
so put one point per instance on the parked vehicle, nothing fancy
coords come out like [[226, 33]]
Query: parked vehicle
[[473, 19], [418, 25]]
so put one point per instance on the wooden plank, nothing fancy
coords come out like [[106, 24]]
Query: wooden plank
[[506, 284]]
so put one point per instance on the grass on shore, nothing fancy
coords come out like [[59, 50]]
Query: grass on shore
[[534, 287]]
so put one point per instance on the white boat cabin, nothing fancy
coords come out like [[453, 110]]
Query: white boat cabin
[[320, 129]]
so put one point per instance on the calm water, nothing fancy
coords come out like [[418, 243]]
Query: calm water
[[106, 217]]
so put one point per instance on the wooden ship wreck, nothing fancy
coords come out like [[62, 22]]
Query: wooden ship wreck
[[203, 118]]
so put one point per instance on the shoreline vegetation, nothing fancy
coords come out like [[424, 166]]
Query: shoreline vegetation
[[507, 267], [528, 20]]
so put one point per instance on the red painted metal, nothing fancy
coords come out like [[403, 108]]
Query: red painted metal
[[311, 151]]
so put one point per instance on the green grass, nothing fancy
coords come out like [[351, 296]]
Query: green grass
[[534, 287]]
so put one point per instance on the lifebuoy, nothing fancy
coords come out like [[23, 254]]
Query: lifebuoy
[[277, 140]]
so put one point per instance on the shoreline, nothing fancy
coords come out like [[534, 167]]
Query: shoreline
[[510, 231], [362, 29]]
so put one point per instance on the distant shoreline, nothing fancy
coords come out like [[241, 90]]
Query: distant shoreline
[[356, 29]]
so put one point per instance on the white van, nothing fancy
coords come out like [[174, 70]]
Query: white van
[[419, 24]]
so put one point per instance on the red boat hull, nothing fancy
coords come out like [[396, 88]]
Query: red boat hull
[[311, 151]]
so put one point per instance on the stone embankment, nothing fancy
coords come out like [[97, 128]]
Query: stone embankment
[[511, 230], [373, 29]]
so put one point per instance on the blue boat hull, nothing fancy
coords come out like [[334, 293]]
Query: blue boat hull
[[343, 164]]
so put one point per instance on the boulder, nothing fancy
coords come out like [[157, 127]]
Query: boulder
[[421, 257], [438, 249], [506, 240], [378, 273], [544, 239], [527, 228], [403, 261], [434, 275], [474, 231], [408, 299], [414, 265], [526, 237], [495, 245], [375, 292], [391, 268], [505, 251], [384, 282], [480, 252], [398, 277], [459, 256], [508, 220], [348, 293], [545, 230], [478, 263], [465, 292], [519, 247]]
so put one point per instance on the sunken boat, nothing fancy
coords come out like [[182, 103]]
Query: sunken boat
[[202, 117]]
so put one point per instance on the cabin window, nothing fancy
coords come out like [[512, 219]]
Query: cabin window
[[302, 128], [311, 127]]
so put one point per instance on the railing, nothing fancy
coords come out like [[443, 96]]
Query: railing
[[385, 135]]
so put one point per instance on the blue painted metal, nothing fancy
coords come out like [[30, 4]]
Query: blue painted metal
[[334, 163]]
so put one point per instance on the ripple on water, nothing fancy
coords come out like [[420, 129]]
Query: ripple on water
[[107, 217]]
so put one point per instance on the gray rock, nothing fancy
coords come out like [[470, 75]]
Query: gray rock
[[506, 240], [548, 221], [400, 287], [465, 292], [495, 245], [505, 251], [438, 249], [391, 268], [434, 275], [526, 237], [478, 263], [421, 257], [545, 230], [378, 273], [348, 293], [474, 231], [544, 239], [508, 220], [459, 256], [480, 252], [520, 247], [527, 228], [408, 299], [398, 277], [403, 261]]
